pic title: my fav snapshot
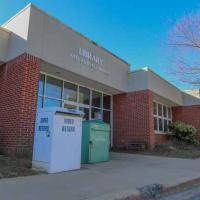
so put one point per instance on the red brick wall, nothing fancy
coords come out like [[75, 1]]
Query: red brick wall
[[189, 115], [132, 118], [18, 98], [161, 138]]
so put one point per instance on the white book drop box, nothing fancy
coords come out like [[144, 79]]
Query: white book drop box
[[57, 140]]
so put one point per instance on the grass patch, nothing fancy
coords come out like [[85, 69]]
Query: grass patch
[[14, 167]]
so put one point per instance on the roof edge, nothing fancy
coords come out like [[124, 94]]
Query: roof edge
[[147, 69], [69, 28], [5, 30], [18, 13]]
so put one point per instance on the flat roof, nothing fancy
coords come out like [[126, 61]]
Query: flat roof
[[68, 27], [147, 69]]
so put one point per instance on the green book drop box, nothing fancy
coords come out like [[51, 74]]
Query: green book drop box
[[95, 141]]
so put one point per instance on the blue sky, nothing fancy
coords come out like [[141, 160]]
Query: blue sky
[[135, 30]]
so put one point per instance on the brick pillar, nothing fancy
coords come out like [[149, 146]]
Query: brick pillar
[[189, 115], [18, 98], [133, 118]]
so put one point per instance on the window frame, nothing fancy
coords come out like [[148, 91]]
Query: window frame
[[157, 116], [63, 101], [78, 100], [63, 92], [51, 97]]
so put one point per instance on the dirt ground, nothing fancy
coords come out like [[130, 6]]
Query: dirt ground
[[13, 167], [172, 149]]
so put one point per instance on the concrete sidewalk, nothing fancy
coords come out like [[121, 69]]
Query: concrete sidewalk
[[115, 179]]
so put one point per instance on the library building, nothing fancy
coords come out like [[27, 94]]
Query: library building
[[44, 63]]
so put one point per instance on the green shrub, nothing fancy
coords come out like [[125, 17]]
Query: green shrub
[[183, 132]]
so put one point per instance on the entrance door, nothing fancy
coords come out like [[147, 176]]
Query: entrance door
[[98, 146]]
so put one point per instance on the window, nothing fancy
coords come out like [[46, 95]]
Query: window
[[169, 113], [53, 88], [96, 113], [40, 102], [52, 103], [86, 113], [165, 125], [154, 108], [84, 95], [96, 99], [41, 91], [162, 117], [70, 92], [107, 116], [41, 84], [160, 124], [164, 111], [160, 109], [155, 123], [106, 101], [69, 106], [54, 92]]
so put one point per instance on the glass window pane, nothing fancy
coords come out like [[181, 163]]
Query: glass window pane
[[52, 103], [96, 99], [165, 126], [155, 124], [69, 106], [41, 85], [70, 92], [96, 113], [40, 102], [169, 113], [155, 108], [86, 112], [107, 116], [53, 87], [169, 122], [106, 101], [84, 95], [164, 111], [160, 121], [160, 109]]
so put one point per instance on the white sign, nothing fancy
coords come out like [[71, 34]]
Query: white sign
[[86, 57]]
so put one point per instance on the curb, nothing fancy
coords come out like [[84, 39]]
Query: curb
[[169, 190], [181, 186]]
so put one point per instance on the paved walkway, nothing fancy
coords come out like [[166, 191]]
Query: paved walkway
[[118, 178]]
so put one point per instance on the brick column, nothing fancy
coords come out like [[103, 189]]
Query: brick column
[[133, 118], [18, 98]]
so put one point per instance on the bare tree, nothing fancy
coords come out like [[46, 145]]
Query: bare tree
[[184, 42]]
